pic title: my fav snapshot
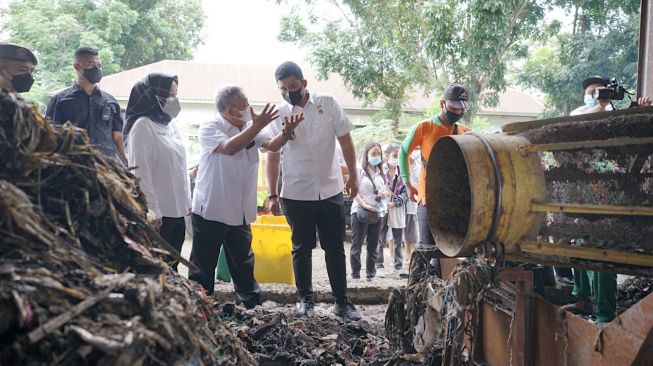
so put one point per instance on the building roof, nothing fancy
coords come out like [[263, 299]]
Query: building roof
[[198, 82]]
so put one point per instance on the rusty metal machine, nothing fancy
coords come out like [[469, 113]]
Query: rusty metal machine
[[571, 192]]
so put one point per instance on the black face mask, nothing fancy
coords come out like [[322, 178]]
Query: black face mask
[[22, 83], [294, 97], [453, 117], [93, 75]]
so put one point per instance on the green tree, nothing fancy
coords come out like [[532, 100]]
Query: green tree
[[602, 40], [391, 48], [127, 33]]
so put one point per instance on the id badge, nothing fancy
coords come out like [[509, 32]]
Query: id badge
[[106, 113]]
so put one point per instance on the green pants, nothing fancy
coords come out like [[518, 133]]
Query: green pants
[[604, 288]]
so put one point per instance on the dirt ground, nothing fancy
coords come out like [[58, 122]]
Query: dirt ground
[[361, 292]]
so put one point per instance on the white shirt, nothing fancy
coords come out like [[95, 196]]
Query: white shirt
[[311, 168], [411, 207], [225, 189], [157, 151], [366, 192]]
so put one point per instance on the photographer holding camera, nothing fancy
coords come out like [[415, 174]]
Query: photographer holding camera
[[599, 92]]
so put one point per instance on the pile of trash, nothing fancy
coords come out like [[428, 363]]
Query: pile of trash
[[83, 277], [431, 317], [631, 291], [278, 335]]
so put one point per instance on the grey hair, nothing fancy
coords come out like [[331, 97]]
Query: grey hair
[[226, 96]]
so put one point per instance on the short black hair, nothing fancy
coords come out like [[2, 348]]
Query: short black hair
[[85, 51], [288, 68]]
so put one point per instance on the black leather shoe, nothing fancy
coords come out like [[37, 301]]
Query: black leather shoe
[[346, 310], [306, 307]]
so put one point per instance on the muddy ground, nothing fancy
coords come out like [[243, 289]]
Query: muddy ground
[[361, 292]]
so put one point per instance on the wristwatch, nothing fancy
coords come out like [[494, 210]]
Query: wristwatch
[[288, 136], [273, 196]]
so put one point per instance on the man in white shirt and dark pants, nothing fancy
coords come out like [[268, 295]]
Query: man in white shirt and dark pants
[[312, 185], [224, 201]]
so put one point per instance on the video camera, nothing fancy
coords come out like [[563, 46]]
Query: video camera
[[612, 91]]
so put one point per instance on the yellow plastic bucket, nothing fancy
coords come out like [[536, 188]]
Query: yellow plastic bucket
[[272, 249]]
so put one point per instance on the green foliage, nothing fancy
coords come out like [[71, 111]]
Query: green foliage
[[389, 49], [602, 41], [482, 125], [127, 33], [379, 131]]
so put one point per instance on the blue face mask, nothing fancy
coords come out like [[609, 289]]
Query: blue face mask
[[374, 160], [589, 101]]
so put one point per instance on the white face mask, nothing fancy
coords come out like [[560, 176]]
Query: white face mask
[[246, 115], [171, 107], [393, 162]]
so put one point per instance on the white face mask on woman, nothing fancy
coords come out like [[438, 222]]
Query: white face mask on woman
[[374, 160], [171, 107]]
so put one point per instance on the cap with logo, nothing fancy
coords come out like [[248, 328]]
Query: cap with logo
[[456, 95], [594, 80], [10, 51]]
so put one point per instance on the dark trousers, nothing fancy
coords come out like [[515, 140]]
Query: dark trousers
[[604, 288], [328, 216], [361, 231], [173, 230], [397, 248], [426, 239], [208, 237]]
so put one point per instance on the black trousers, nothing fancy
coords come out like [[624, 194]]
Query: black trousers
[[208, 237], [425, 235], [328, 216], [173, 230], [369, 233]]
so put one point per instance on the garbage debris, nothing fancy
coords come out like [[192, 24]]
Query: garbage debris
[[83, 277], [631, 291], [431, 317], [280, 336]]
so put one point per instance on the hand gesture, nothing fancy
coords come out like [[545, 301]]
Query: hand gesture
[[291, 123], [412, 192], [644, 102], [269, 114]]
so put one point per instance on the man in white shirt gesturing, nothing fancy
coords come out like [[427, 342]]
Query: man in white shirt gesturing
[[312, 185], [224, 201]]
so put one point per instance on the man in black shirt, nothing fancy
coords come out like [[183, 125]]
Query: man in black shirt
[[88, 107], [17, 65]]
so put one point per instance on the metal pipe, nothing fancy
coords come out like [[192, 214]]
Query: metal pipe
[[574, 145], [591, 209], [595, 254]]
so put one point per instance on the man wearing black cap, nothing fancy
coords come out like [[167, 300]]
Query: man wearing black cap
[[17, 65], [424, 135], [593, 105], [88, 107]]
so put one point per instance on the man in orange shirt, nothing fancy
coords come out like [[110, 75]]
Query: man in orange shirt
[[424, 135]]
